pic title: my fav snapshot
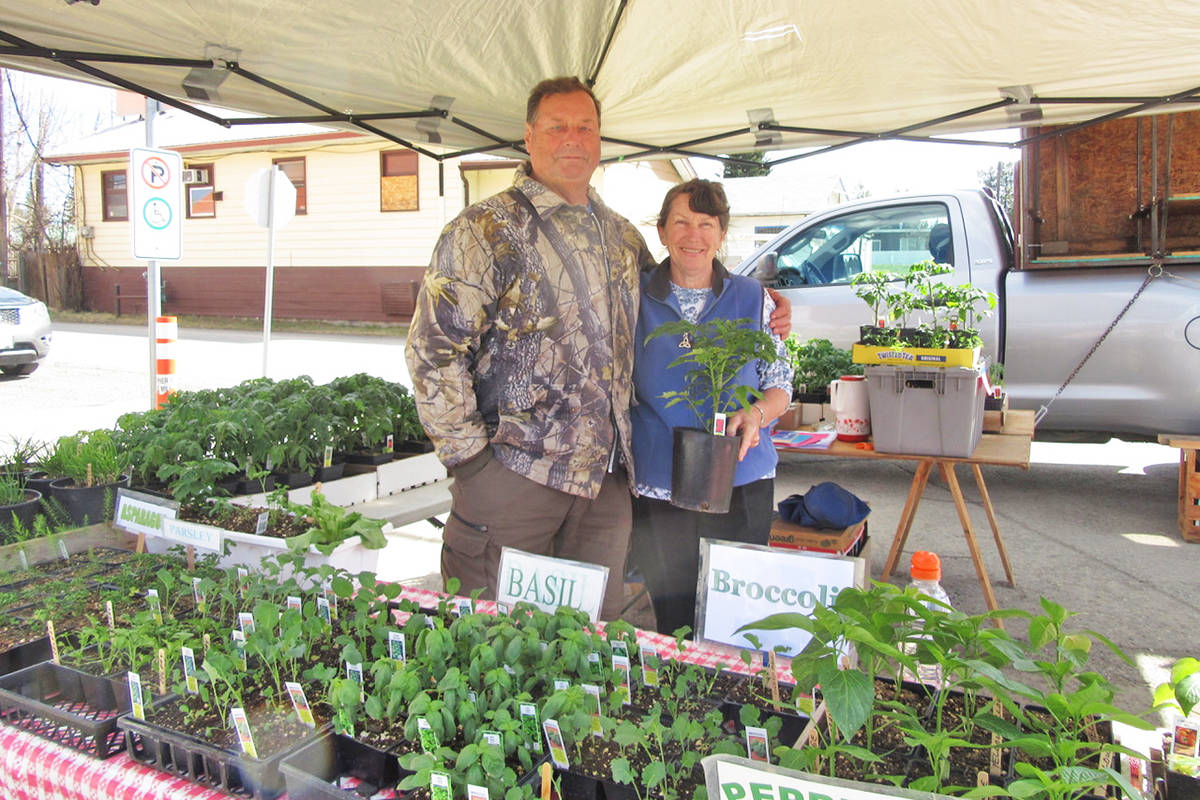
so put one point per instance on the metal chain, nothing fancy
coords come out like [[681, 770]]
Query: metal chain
[[1155, 270]]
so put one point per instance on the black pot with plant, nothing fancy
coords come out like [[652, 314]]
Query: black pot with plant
[[91, 468], [19, 506], [704, 463]]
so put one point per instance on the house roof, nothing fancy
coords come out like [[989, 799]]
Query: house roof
[[178, 130]]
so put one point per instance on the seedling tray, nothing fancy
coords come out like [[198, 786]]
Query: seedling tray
[[25, 655], [201, 762], [312, 772], [66, 706]]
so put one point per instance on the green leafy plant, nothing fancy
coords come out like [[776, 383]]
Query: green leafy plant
[[817, 363], [719, 349], [89, 458], [330, 525]]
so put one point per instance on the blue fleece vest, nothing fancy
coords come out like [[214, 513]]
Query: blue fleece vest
[[739, 297]]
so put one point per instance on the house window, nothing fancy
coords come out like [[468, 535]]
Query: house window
[[202, 197], [398, 180], [294, 169], [114, 196]]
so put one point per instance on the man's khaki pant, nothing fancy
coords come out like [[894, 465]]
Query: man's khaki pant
[[495, 508]]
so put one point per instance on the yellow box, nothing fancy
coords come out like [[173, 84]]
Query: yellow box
[[915, 356]]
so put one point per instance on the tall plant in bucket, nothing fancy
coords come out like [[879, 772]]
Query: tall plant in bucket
[[715, 352]]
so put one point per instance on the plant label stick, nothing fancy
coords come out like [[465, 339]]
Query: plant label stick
[[137, 705], [396, 648], [995, 762], [260, 524], [355, 673], [53, 640], [300, 703], [242, 726], [619, 648], [594, 691], [439, 786], [1187, 739], [243, 583], [491, 738], [649, 658], [327, 459], [554, 740], [239, 646], [189, 669], [24, 558], [529, 726], [198, 595], [463, 606], [756, 744], [772, 678], [293, 602], [561, 685], [327, 590], [62, 550], [429, 740], [108, 612], [719, 424], [162, 670], [477, 792], [594, 663], [620, 664], [246, 622], [206, 641], [155, 604], [323, 610]]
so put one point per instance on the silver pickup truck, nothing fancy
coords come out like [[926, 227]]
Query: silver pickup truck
[[1143, 379]]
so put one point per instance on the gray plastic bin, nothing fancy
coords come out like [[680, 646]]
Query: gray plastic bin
[[932, 412]]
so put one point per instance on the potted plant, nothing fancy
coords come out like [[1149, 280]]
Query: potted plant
[[945, 333], [816, 363], [703, 461], [18, 507], [91, 468]]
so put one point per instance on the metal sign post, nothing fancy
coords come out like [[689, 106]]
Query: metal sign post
[[271, 203]]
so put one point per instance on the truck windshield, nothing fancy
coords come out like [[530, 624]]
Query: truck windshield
[[891, 238]]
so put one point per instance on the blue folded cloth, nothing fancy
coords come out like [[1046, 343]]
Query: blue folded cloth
[[825, 505]]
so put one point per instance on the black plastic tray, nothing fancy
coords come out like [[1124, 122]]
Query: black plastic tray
[[311, 771], [25, 655], [204, 763], [66, 706]]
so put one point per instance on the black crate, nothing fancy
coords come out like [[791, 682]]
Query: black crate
[[204, 763], [25, 655], [66, 706], [312, 771]]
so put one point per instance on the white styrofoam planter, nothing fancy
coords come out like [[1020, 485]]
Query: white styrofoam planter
[[249, 550], [396, 476], [346, 491]]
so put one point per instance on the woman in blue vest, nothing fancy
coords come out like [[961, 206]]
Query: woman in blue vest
[[692, 284]]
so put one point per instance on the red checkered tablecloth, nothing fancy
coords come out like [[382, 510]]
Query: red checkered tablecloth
[[36, 769]]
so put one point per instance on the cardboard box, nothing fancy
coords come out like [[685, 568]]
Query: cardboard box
[[825, 540]]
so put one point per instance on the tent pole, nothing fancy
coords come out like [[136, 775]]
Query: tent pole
[[153, 298]]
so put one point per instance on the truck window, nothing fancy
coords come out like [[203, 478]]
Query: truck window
[[890, 238]]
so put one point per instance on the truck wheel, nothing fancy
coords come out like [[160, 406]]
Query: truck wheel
[[19, 369]]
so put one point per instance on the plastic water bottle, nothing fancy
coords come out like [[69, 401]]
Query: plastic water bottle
[[926, 574]]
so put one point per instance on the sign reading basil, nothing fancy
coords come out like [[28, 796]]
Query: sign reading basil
[[744, 583], [550, 582]]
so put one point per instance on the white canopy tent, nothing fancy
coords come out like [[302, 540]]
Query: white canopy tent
[[673, 76]]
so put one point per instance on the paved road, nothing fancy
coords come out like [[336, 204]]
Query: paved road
[[95, 373], [1091, 526]]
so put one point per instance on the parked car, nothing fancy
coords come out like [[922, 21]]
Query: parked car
[[24, 332]]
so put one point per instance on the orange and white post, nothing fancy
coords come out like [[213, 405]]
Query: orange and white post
[[166, 331]]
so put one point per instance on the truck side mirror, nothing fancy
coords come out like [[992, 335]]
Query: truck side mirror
[[767, 270]]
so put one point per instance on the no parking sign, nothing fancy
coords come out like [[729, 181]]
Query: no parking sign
[[156, 204]]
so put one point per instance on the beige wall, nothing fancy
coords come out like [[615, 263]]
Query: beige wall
[[343, 225]]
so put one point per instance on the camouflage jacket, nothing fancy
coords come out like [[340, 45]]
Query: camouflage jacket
[[522, 336]]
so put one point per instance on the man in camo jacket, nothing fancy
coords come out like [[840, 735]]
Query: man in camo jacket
[[521, 356]]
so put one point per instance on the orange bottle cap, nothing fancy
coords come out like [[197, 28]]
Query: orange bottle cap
[[926, 566]]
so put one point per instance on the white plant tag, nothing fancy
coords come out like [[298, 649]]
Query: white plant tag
[[189, 669], [136, 701]]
